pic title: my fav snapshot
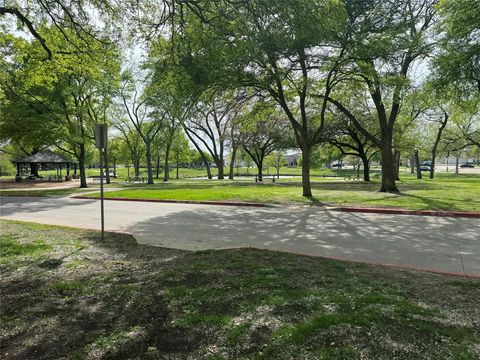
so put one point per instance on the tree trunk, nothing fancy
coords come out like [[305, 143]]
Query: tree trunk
[[278, 172], [221, 174], [114, 168], [396, 156], [388, 168], [232, 163], [366, 167], [158, 166], [412, 164], [176, 158], [166, 174], [260, 169], [435, 145], [204, 158], [307, 188], [209, 171], [457, 158], [81, 165], [137, 167], [148, 151], [417, 165]]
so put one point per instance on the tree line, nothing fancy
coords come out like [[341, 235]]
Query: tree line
[[386, 79]]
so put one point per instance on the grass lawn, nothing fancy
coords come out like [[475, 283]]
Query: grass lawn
[[67, 294], [446, 192]]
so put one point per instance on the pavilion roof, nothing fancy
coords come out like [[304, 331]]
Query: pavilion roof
[[46, 156]]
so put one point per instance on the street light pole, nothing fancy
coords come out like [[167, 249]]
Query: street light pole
[[101, 195], [101, 143]]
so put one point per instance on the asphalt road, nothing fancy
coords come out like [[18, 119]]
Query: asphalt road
[[424, 242]]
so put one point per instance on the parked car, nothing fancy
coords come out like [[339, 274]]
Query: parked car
[[426, 163], [425, 168], [467, 165], [337, 165]]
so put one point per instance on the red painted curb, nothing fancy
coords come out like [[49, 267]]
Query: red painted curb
[[465, 214], [392, 266], [223, 203]]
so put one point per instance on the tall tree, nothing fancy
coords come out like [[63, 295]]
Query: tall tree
[[141, 117], [180, 150], [209, 126], [80, 25], [63, 90], [278, 48], [350, 141], [263, 130], [387, 39], [458, 61]]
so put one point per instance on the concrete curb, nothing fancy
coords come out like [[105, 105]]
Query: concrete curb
[[465, 214], [222, 203]]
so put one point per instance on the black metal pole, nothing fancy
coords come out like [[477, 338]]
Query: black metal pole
[[101, 194]]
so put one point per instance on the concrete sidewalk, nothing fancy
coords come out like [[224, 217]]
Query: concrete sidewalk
[[432, 243]]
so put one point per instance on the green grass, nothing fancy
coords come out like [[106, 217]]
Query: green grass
[[10, 247], [446, 192], [113, 298]]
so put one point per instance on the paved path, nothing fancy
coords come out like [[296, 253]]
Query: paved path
[[435, 243]]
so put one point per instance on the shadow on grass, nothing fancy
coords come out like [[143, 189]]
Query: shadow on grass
[[95, 309], [433, 204]]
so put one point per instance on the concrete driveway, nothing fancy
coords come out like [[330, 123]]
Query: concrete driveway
[[431, 243]]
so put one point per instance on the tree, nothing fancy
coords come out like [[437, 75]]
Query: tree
[[141, 117], [132, 149], [279, 48], [346, 137], [277, 159], [211, 122], [458, 61], [82, 24], [62, 91], [116, 153], [180, 150], [263, 130], [25, 123], [387, 38]]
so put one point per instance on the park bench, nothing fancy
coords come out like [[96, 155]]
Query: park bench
[[136, 179], [352, 178], [55, 178], [257, 178]]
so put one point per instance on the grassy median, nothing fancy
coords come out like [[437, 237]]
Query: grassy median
[[68, 294]]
